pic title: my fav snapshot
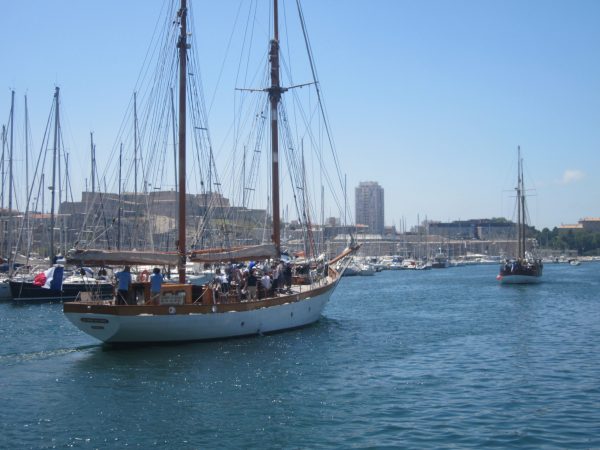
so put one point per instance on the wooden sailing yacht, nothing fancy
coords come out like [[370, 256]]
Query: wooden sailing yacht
[[524, 268], [185, 312]]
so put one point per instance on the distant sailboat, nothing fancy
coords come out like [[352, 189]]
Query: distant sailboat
[[440, 260], [524, 268]]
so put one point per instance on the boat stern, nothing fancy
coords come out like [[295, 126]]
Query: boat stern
[[100, 326]]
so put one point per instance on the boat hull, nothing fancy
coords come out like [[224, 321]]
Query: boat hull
[[519, 274], [5, 291], [440, 265], [29, 292], [519, 279], [143, 324]]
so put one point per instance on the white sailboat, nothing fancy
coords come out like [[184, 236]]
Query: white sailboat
[[524, 268], [185, 312]]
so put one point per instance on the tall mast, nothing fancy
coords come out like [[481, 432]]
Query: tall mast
[[274, 97], [26, 155], [2, 167], [183, 46], [93, 155], [174, 139], [120, 207], [28, 190], [522, 205], [520, 218], [64, 230], [10, 183], [53, 186], [135, 149]]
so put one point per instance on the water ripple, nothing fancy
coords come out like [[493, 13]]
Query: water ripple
[[439, 359]]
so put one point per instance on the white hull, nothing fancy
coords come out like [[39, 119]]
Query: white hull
[[176, 326], [519, 279], [366, 272]]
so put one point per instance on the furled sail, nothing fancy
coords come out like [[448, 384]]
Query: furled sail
[[120, 257], [234, 254]]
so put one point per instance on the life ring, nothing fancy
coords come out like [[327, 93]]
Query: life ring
[[172, 310], [144, 276]]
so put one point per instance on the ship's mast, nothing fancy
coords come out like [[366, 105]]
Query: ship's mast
[[54, 157], [120, 208], [10, 185], [522, 207], [183, 46], [274, 97]]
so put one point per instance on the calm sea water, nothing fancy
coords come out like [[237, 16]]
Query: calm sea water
[[424, 360]]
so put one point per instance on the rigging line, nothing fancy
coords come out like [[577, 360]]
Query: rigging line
[[256, 156], [290, 159], [225, 56], [319, 95], [159, 30], [307, 121], [237, 75], [249, 36], [150, 54], [199, 111]]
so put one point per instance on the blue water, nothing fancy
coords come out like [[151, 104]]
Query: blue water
[[424, 360]]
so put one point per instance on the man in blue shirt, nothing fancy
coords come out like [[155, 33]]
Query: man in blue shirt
[[156, 280], [124, 281]]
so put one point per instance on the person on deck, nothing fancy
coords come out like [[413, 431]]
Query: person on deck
[[237, 278], [275, 277], [287, 274], [156, 281], [251, 283], [266, 283], [124, 281], [221, 282]]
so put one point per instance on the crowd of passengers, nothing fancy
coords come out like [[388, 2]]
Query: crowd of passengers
[[518, 264], [252, 282]]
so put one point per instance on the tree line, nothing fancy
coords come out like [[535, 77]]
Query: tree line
[[587, 243]]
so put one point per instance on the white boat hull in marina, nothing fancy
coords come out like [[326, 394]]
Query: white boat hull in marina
[[197, 323]]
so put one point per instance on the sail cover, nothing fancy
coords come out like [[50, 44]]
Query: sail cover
[[120, 257], [234, 254]]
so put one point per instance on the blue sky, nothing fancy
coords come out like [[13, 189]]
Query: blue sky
[[429, 98]]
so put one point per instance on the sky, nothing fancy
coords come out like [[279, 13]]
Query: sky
[[429, 98]]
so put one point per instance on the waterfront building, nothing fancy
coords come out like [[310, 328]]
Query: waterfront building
[[369, 206], [591, 224], [473, 229]]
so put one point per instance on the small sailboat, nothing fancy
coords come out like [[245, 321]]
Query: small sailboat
[[524, 268], [440, 260], [188, 312]]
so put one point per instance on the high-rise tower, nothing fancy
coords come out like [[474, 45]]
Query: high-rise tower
[[369, 206]]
